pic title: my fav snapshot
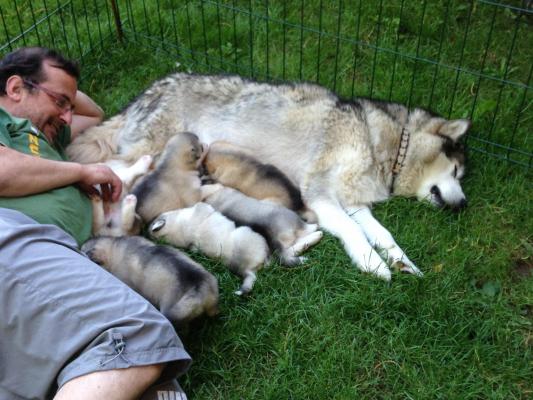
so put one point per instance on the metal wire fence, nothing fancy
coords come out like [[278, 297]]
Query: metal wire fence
[[459, 58]]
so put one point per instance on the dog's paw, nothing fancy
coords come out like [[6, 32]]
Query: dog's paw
[[382, 272], [146, 161], [130, 200], [95, 198], [408, 268], [291, 260]]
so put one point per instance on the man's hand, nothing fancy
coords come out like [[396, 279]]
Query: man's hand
[[86, 114], [100, 174]]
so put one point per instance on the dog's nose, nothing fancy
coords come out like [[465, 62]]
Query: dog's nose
[[460, 205]]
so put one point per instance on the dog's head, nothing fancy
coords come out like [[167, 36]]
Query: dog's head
[[185, 151], [435, 161], [97, 249]]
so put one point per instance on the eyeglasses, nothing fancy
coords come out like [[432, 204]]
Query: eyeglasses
[[61, 101]]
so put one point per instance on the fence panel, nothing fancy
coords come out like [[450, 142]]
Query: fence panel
[[459, 58]]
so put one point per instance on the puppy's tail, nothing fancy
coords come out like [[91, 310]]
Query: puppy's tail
[[96, 144]]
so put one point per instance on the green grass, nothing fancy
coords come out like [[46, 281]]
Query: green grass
[[325, 330]]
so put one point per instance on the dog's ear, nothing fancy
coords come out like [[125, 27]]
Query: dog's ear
[[455, 129], [157, 225]]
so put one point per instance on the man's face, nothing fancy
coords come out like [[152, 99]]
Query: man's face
[[48, 104]]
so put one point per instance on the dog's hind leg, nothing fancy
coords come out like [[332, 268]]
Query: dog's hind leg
[[98, 213], [141, 167], [128, 213], [381, 239], [247, 283], [303, 243], [333, 218]]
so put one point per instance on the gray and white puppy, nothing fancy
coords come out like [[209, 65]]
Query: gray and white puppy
[[284, 230], [175, 181], [235, 167], [202, 228], [181, 288]]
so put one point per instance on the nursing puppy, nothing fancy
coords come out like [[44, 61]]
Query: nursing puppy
[[202, 228], [181, 288], [175, 181], [284, 230], [119, 218], [234, 167]]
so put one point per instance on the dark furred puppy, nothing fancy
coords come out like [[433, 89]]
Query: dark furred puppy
[[175, 181], [235, 167], [181, 288]]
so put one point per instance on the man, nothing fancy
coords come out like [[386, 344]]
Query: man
[[65, 323]]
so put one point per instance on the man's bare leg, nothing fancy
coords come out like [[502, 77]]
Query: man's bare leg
[[115, 384]]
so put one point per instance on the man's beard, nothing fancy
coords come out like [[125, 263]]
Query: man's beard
[[52, 128]]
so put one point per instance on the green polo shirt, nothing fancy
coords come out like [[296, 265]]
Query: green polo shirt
[[66, 207]]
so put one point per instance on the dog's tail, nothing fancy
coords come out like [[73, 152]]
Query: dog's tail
[[96, 144]]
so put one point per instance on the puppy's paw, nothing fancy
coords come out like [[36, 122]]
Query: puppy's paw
[[146, 161], [130, 200]]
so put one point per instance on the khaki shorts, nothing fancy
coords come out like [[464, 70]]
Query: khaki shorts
[[62, 316]]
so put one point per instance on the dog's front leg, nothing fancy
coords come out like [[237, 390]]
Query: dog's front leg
[[381, 239], [333, 218]]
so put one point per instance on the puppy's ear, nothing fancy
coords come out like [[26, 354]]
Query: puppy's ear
[[455, 129], [157, 225]]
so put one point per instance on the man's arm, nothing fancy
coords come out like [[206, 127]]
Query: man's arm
[[86, 114], [23, 174]]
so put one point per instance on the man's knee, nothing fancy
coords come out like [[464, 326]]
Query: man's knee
[[126, 383], [150, 373]]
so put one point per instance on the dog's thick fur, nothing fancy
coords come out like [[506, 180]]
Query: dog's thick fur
[[202, 228], [181, 288], [284, 230], [175, 181], [232, 166], [340, 154]]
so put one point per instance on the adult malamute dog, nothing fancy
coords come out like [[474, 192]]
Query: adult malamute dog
[[343, 156]]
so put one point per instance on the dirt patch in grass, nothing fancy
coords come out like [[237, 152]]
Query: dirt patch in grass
[[523, 268]]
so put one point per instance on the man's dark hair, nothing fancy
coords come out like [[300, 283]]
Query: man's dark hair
[[27, 62]]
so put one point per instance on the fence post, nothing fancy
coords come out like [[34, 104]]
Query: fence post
[[118, 22]]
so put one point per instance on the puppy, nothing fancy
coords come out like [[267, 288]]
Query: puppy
[[175, 182], [284, 230], [202, 228], [119, 218], [234, 167], [181, 288]]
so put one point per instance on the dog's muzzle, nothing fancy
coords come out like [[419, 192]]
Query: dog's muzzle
[[439, 201]]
